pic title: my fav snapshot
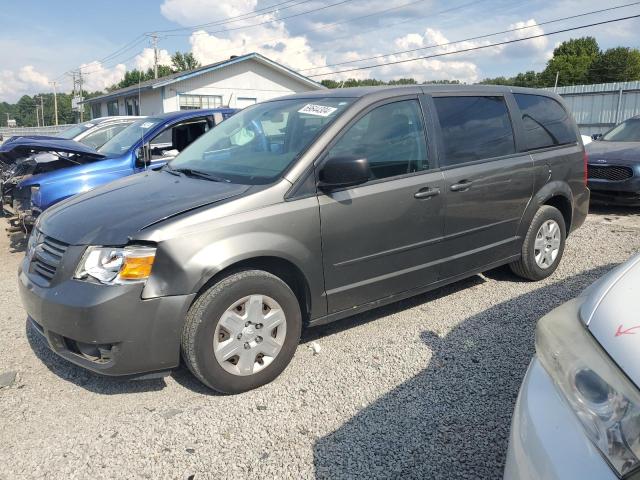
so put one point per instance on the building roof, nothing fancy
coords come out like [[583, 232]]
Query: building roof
[[178, 76]]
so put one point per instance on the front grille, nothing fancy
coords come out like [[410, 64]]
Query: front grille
[[47, 257], [613, 173]]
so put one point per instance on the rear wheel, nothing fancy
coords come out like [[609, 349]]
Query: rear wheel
[[543, 245], [242, 332]]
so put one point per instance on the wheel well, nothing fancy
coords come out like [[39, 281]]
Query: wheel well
[[564, 205], [281, 268]]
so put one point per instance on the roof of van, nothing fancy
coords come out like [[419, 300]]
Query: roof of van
[[358, 92], [192, 113]]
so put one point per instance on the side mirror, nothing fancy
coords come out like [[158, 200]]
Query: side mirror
[[596, 136], [142, 156], [340, 172]]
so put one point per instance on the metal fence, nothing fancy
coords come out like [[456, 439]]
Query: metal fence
[[6, 132], [599, 107]]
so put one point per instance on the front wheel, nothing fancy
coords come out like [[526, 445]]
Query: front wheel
[[543, 245], [242, 332]]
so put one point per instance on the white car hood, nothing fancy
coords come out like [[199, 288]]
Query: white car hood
[[611, 312]]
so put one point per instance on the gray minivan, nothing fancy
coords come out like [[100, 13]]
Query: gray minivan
[[301, 211]]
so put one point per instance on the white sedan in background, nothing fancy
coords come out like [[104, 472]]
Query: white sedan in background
[[578, 412], [586, 139]]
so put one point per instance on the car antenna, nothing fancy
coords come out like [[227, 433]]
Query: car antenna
[[144, 151]]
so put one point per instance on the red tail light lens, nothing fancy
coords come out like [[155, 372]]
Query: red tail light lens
[[585, 158]]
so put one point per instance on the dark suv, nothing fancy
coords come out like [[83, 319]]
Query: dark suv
[[298, 212]]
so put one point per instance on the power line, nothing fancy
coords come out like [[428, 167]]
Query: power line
[[479, 37], [360, 17], [480, 47], [306, 12], [237, 18], [138, 40]]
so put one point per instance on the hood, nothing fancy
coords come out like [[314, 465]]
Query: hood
[[19, 147], [601, 152], [111, 214], [611, 312]]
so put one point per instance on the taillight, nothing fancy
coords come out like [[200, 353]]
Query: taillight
[[585, 159]]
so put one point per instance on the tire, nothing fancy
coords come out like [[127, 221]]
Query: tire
[[528, 266], [208, 338]]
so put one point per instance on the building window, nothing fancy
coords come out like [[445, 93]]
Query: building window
[[112, 108], [193, 102], [132, 106], [96, 110], [242, 102]]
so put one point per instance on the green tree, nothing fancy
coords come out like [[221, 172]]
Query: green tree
[[184, 61], [620, 64], [529, 79], [572, 60]]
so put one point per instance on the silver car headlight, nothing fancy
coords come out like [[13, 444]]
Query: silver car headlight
[[603, 398], [113, 265]]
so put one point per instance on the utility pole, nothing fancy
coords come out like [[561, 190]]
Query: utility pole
[[154, 42], [37, 114], [7, 119], [80, 81], [55, 103], [76, 75], [42, 109], [555, 87]]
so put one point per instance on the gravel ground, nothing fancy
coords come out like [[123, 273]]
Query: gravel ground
[[422, 388]]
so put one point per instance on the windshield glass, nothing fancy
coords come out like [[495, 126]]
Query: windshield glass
[[124, 140], [103, 134], [72, 132], [257, 144], [627, 131]]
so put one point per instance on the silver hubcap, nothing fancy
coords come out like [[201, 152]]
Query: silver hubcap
[[547, 244], [249, 335]]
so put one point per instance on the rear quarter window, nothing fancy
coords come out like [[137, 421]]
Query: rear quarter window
[[474, 128], [546, 122]]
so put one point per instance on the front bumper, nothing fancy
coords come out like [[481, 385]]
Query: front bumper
[[625, 192], [108, 329], [547, 440]]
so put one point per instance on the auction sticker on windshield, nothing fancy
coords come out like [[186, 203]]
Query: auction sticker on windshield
[[318, 110]]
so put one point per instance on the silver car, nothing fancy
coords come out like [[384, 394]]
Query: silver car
[[578, 412]]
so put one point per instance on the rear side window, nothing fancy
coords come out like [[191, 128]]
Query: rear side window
[[474, 128], [546, 122]]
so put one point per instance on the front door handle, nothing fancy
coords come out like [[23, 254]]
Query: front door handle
[[462, 186], [426, 193]]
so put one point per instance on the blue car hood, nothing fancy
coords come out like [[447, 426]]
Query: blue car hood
[[113, 213], [20, 147], [621, 153]]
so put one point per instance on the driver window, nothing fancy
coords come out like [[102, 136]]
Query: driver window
[[170, 142], [391, 137]]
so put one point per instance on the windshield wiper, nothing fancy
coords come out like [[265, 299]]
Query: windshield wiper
[[190, 172]]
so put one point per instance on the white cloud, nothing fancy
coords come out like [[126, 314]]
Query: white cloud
[[272, 40], [25, 81], [145, 60], [97, 77], [196, 12]]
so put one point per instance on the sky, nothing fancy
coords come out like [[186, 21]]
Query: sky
[[41, 40]]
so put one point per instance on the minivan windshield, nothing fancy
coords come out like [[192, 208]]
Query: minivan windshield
[[627, 131], [124, 140], [256, 145]]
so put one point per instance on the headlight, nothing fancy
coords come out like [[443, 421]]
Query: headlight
[[112, 265], [33, 241], [604, 400], [35, 195]]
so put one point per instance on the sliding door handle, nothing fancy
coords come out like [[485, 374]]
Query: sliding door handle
[[426, 193], [462, 186]]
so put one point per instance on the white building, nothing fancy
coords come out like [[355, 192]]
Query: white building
[[236, 83]]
